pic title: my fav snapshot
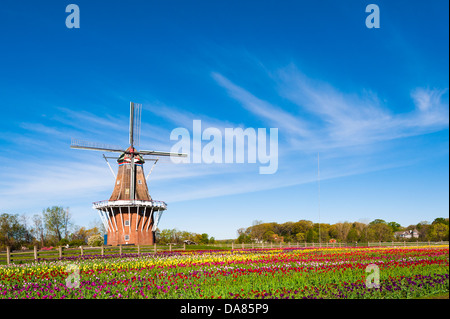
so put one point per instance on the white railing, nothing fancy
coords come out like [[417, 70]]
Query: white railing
[[159, 205]]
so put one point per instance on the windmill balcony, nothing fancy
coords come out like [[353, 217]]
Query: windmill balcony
[[155, 204]]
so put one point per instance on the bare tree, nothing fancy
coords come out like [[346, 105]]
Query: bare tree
[[57, 221], [38, 228]]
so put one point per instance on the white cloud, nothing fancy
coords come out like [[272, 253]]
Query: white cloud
[[428, 99]]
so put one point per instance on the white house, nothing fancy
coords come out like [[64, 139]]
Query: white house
[[406, 234]]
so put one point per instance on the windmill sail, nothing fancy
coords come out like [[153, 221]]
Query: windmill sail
[[85, 145], [158, 153], [137, 124]]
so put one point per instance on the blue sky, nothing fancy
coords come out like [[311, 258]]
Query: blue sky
[[372, 102]]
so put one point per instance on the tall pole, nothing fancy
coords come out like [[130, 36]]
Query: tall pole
[[318, 182]]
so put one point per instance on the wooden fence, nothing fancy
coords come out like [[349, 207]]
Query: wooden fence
[[35, 255]]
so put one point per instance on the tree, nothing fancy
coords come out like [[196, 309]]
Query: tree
[[440, 220], [424, 229], [204, 238], [311, 236], [353, 235], [12, 233], [361, 232], [377, 221], [38, 229], [257, 230], [342, 230], [439, 232], [380, 232], [302, 226], [95, 240], [395, 226], [57, 221]]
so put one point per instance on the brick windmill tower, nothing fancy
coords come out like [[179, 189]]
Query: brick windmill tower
[[130, 216]]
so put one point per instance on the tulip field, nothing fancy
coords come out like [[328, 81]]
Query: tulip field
[[288, 273]]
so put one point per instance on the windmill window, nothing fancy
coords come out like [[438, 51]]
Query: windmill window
[[139, 181], [127, 191], [127, 237], [118, 182], [127, 223]]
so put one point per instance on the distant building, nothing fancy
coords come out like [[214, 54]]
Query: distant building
[[407, 234]]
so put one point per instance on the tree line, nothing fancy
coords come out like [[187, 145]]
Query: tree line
[[375, 231], [53, 227], [175, 236]]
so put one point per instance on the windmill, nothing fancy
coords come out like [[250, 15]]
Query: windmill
[[130, 216]]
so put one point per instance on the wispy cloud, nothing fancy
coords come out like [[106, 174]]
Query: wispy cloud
[[360, 118], [270, 113]]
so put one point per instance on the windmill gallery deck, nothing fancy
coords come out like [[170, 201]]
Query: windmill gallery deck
[[130, 216]]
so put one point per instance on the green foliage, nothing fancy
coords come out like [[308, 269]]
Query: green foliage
[[167, 236], [63, 242], [377, 221], [95, 240], [12, 232], [56, 221], [441, 220], [77, 242]]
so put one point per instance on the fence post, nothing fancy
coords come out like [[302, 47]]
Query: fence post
[[103, 250], [232, 245], [139, 249], [120, 250], [60, 251], [8, 255], [170, 246], [253, 245], [184, 246], [242, 245], [81, 250], [155, 248], [262, 245], [35, 253]]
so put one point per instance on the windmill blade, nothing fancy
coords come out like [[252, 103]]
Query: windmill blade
[[85, 145], [131, 122], [158, 153], [137, 124]]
